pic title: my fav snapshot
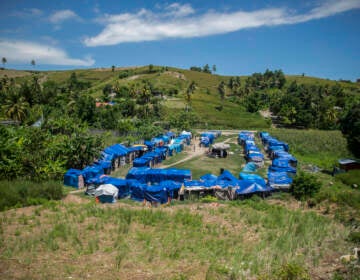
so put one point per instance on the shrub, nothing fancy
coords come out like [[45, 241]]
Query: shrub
[[354, 237], [21, 193], [292, 271], [349, 178], [304, 186]]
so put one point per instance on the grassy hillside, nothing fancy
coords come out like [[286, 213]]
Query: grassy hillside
[[205, 100]]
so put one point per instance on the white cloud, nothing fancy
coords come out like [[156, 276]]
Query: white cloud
[[180, 21], [24, 52], [30, 12], [60, 16]]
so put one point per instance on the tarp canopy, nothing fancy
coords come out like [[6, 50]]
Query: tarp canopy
[[283, 154], [227, 176], [107, 190], [170, 134], [249, 167], [252, 177], [156, 193], [281, 165], [278, 179], [136, 190], [249, 187], [221, 146], [208, 177], [156, 175], [92, 171], [71, 178], [141, 162]]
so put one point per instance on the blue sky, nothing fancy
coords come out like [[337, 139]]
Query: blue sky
[[319, 38]]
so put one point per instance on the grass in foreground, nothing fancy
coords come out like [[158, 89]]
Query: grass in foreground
[[237, 240]]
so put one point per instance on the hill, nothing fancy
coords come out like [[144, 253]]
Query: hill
[[205, 100]]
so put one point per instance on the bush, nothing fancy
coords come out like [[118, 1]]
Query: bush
[[354, 237], [292, 271], [305, 186], [21, 193], [349, 178]]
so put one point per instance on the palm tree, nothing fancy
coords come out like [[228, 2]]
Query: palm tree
[[4, 61], [15, 107], [222, 92], [190, 90]]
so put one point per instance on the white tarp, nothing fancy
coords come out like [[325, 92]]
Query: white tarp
[[107, 189]]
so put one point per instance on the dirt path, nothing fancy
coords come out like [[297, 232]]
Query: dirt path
[[194, 151]]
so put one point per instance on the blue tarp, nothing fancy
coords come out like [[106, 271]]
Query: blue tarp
[[156, 193], [249, 167], [286, 155], [227, 176], [208, 177], [91, 172], [250, 187], [281, 165], [71, 178], [252, 177], [209, 135], [154, 175], [136, 190], [141, 162], [278, 179]]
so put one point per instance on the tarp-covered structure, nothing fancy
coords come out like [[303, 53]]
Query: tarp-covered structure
[[106, 193], [155, 175], [74, 178]]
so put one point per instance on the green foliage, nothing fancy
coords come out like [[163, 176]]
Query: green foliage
[[319, 147], [350, 178], [21, 193], [305, 186], [292, 271], [208, 199], [350, 126]]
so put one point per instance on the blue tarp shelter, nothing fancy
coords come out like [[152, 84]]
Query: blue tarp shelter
[[91, 172], [249, 167], [251, 187], [281, 165], [279, 179], [74, 178], [155, 175], [252, 177]]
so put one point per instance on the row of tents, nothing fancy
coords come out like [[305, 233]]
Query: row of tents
[[163, 185], [140, 155], [251, 150], [207, 138], [283, 165]]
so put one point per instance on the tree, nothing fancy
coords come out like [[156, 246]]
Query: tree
[[214, 68], [350, 127], [190, 90], [222, 92], [15, 107], [206, 69], [151, 68], [113, 68], [32, 62], [4, 61]]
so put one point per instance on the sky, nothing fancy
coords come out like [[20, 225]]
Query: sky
[[318, 38]]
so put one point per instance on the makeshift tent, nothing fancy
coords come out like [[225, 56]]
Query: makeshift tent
[[91, 172], [250, 167], [74, 178], [227, 176], [106, 193], [220, 149], [208, 177], [282, 154], [136, 190], [156, 193], [154, 175], [170, 134], [120, 184], [150, 145], [251, 187], [281, 165], [252, 177], [141, 162], [279, 180]]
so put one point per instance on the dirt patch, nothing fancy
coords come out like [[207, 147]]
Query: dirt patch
[[175, 75], [72, 198]]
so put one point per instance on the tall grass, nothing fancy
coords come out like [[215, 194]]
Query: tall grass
[[319, 147], [20, 193], [238, 240]]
